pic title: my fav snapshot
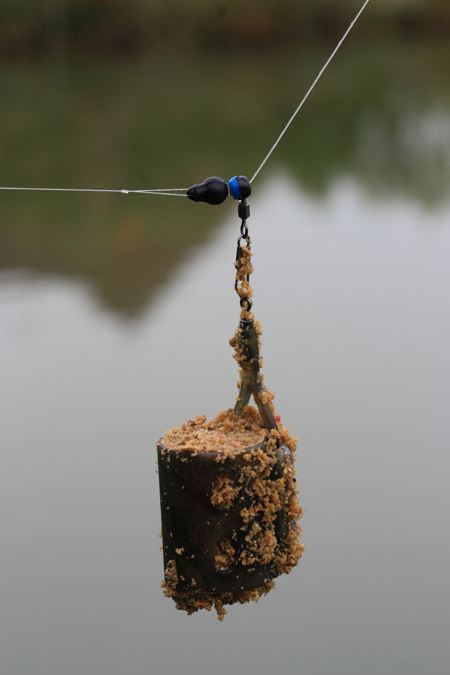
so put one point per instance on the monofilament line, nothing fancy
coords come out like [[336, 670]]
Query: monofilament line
[[166, 192], [309, 92]]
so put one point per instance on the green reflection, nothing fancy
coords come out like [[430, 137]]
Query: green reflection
[[380, 116]]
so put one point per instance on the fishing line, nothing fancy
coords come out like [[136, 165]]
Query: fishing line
[[214, 190], [166, 192], [309, 92]]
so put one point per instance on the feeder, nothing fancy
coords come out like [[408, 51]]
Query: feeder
[[229, 508]]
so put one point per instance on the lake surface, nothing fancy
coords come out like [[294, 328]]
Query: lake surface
[[115, 314]]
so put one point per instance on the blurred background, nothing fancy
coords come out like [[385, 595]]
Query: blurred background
[[104, 339]]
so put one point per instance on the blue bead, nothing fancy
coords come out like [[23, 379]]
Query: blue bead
[[235, 188]]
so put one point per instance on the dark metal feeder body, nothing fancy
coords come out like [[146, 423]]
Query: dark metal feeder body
[[192, 527]]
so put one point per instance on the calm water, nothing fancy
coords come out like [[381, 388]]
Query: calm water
[[114, 320]]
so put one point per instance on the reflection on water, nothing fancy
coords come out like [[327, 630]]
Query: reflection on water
[[381, 116], [352, 292]]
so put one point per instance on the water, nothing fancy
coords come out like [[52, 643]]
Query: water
[[114, 319]]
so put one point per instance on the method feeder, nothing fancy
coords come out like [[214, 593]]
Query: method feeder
[[225, 547]]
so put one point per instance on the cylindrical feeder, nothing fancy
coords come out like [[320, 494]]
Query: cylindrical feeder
[[229, 523], [229, 507]]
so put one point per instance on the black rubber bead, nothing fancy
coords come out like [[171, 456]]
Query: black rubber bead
[[212, 190]]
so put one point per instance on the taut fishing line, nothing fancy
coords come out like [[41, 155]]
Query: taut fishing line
[[166, 192], [202, 195], [309, 92], [229, 504]]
